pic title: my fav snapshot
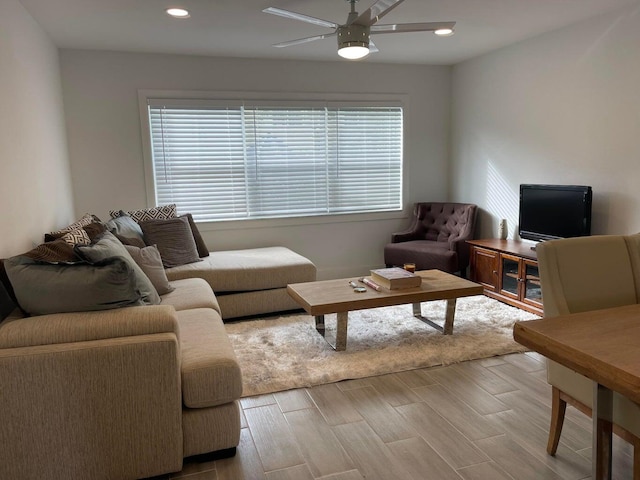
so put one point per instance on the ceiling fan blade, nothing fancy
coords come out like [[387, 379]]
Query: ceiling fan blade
[[372, 47], [411, 27], [376, 11], [299, 16], [303, 40]]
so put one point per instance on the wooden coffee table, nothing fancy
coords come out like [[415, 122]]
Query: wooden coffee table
[[336, 296]]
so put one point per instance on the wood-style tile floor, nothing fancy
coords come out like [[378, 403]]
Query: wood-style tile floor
[[483, 419]]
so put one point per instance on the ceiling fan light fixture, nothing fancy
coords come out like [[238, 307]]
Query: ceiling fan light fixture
[[353, 51], [353, 41], [177, 12], [444, 32]]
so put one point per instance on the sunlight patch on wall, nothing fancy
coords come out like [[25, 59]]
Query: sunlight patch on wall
[[502, 201]]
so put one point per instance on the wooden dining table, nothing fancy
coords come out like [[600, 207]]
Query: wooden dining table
[[603, 345]]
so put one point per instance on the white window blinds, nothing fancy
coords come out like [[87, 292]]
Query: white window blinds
[[235, 162]]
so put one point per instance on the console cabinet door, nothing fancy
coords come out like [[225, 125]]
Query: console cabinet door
[[484, 268], [511, 276], [532, 293]]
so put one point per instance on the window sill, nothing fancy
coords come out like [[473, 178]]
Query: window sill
[[298, 221]]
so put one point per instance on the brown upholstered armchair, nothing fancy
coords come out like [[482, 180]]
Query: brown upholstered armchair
[[436, 239]]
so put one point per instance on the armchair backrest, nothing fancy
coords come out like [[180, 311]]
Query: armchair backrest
[[445, 222], [589, 273]]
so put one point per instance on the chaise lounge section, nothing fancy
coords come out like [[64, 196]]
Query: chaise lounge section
[[252, 281]]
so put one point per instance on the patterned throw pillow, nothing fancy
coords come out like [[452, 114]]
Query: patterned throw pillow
[[163, 212], [77, 237], [88, 221], [55, 251]]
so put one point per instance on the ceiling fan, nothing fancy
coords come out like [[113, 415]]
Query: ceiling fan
[[354, 35]]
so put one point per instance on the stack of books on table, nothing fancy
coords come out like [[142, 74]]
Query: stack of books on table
[[395, 278]]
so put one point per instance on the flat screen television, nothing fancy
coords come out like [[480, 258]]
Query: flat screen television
[[554, 211]]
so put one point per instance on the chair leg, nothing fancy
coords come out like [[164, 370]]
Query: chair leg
[[558, 409], [636, 459]]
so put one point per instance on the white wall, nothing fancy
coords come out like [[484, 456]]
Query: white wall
[[563, 108], [35, 191], [105, 144]]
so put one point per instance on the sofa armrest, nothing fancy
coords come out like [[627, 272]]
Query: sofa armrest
[[109, 408], [86, 326]]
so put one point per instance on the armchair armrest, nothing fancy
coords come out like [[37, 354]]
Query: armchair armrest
[[86, 326], [405, 236], [415, 230], [92, 409]]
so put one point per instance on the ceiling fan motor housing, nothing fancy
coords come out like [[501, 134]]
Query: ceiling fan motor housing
[[353, 36]]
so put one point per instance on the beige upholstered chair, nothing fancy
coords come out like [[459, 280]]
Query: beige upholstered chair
[[583, 274]]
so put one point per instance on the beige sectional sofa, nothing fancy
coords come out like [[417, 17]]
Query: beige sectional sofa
[[130, 392]]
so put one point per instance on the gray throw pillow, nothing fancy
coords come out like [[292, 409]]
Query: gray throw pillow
[[126, 229], [149, 260], [203, 251], [43, 288], [174, 240], [109, 246]]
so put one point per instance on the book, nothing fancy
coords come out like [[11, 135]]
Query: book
[[395, 278]]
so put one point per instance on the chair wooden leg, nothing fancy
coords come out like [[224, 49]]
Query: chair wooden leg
[[558, 409], [636, 458]]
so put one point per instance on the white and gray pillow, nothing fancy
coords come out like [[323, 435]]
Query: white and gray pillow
[[162, 212]]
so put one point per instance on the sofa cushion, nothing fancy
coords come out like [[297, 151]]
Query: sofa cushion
[[108, 246], [250, 269], [424, 253], [43, 288], [70, 327], [209, 369], [174, 240], [191, 293]]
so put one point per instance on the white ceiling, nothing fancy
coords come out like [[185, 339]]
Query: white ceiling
[[238, 28]]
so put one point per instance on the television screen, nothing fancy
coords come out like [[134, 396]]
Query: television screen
[[554, 211]]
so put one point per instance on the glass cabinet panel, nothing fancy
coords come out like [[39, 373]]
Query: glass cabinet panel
[[532, 283], [510, 275]]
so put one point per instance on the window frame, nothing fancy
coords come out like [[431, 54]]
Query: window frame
[[197, 98]]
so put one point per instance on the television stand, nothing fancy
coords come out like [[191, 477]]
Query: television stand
[[508, 271]]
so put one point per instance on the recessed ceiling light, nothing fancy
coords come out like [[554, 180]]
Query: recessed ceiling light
[[178, 12]]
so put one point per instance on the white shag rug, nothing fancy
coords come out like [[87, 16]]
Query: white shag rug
[[281, 353]]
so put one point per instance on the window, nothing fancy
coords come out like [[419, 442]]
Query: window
[[229, 162]]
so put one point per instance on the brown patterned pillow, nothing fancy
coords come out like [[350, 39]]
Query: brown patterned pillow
[[76, 237], [174, 240], [162, 212], [87, 219], [56, 251]]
